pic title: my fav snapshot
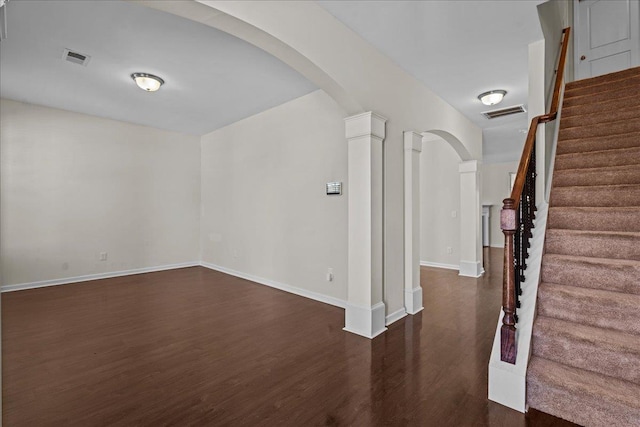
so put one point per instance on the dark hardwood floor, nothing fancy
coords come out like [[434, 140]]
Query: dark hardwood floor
[[194, 347]]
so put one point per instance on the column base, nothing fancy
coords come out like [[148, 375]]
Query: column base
[[413, 300], [471, 269], [368, 322]]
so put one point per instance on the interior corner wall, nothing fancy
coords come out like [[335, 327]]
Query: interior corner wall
[[265, 211], [496, 188], [439, 198], [74, 185]]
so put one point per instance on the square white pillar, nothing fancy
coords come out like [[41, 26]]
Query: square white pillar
[[412, 289], [470, 220], [365, 312]]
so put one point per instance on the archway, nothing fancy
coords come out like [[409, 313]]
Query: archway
[[470, 241]]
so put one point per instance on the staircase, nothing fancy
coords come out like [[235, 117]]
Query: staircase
[[585, 364]]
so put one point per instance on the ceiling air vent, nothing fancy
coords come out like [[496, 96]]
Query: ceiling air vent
[[504, 112], [76, 57]]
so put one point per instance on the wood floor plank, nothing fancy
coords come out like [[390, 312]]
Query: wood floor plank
[[195, 347]]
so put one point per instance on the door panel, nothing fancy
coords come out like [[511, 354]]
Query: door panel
[[607, 36]]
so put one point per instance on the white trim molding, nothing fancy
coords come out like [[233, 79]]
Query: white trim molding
[[395, 316], [337, 302], [413, 300], [471, 269], [368, 322], [439, 265], [98, 276]]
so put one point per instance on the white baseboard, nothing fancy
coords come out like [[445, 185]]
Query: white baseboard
[[368, 322], [395, 316], [88, 277], [413, 300], [277, 285], [497, 246], [439, 265], [471, 269]]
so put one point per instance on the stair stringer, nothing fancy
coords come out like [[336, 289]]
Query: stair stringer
[[507, 382]]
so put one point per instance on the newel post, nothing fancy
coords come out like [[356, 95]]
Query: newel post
[[508, 223]]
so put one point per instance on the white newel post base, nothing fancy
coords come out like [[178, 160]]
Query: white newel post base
[[365, 312]]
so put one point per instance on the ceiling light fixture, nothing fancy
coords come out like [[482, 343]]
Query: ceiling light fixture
[[492, 97], [147, 82]]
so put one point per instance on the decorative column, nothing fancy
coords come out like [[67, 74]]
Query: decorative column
[[470, 224], [412, 289], [365, 311]]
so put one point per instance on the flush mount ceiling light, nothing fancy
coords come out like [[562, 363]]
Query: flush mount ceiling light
[[492, 97], [147, 82]]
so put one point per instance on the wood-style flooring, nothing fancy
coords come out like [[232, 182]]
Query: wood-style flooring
[[194, 347]]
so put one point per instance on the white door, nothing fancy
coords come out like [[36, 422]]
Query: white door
[[607, 36]]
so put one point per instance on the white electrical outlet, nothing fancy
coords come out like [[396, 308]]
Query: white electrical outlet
[[330, 275], [449, 250], [454, 214], [104, 256]]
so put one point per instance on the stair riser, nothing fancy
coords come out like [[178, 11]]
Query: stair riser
[[580, 409], [600, 159], [614, 278], [594, 312], [571, 121], [586, 355], [602, 88], [578, 177], [595, 196], [607, 78], [624, 93], [597, 246], [583, 145], [601, 129], [577, 219]]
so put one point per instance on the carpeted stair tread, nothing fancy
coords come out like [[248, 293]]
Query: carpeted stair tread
[[610, 274], [608, 352], [597, 244], [593, 307], [628, 93], [575, 120], [589, 130], [592, 106], [596, 195], [599, 143], [580, 396], [599, 89], [605, 78], [595, 218], [595, 159], [611, 175]]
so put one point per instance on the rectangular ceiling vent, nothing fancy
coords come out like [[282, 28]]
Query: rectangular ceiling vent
[[76, 57], [516, 109]]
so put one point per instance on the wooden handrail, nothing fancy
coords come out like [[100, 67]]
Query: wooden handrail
[[533, 129], [517, 215]]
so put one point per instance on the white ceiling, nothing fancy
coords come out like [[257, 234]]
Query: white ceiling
[[212, 79], [458, 49]]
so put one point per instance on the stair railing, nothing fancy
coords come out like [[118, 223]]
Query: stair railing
[[516, 219]]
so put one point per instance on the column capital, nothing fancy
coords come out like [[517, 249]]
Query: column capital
[[365, 124], [468, 166], [412, 141]]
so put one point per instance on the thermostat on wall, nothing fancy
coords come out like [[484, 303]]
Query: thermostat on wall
[[334, 188]]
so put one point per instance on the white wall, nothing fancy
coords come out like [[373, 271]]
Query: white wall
[[495, 188], [439, 197], [265, 211], [74, 185]]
